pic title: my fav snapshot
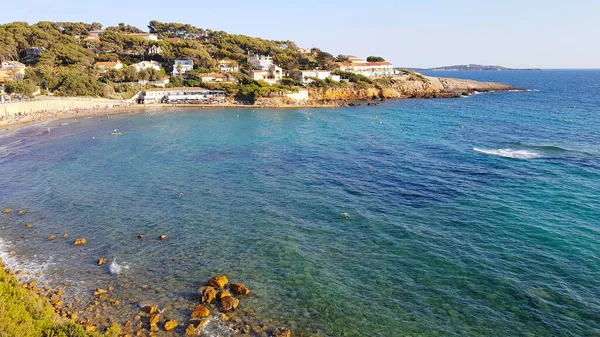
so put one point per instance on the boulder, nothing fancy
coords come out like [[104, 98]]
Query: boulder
[[7, 211], [151, 309], [223, 293], [208, 295], [200, 311], [154, 327], [21, 212], [101, 261], [141, 236], [240, 289], [171, 325], [100, 292], [154, 319], [191, 330], [217, 281], [79, 242], [28, 225], [229, 304], [163, 237], [52, 237], [66, 236], [223, 317], [282, 332]]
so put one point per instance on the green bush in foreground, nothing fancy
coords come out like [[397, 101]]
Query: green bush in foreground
[[26, 314]]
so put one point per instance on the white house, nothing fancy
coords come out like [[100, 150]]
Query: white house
[[273, 75], [106, 66], [368, 69], [183, 66], [260, 62], [145, 36], [146, 65], [227, 66], [154, 49], [307, 76], [11, 70], [183, 95], [214, 77]]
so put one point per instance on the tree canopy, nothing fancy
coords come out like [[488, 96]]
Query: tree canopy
[[375, 59]]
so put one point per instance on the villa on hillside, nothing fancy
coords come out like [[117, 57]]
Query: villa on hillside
[[273, 75], [180, 67], [11, 70], [260, 62], [228, 66], [305, 51], [146, 65], [307, 76], [106, 66], [214, 77], [368, 69]]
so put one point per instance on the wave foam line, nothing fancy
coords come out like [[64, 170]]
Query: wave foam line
[[509, 153]]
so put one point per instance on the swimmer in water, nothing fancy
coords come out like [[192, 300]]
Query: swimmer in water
[[181, 194], [346, 215]]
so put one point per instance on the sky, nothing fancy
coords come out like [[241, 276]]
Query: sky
[[408, 33]]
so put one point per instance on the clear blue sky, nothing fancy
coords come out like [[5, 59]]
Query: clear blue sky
[[425, 33]]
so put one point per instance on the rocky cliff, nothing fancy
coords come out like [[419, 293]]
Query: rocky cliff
[[406, 86]]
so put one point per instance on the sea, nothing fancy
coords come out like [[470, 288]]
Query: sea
[[475, 216]]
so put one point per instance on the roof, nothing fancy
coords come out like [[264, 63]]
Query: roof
[[315, 71], [151, 62], [212, 75], [141, 34], [15, 64], [364, 64], [259, 71], [107, 64], [178, 89]]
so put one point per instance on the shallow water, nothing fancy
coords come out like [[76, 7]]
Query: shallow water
[[442, 239]]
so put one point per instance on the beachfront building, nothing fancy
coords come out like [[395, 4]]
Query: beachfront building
[[260, 62], [369, 69], [180, 67], [145, 36], [106, 66], [307, 76], [272, 76], [147, 65], [228, 66], [182, 95]]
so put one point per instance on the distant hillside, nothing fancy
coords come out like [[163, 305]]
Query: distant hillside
[[468, 67]]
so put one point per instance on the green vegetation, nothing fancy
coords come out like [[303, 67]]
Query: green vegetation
[[352, 77], [375, 59], [23, 313]]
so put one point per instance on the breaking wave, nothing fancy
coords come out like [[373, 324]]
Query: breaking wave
[[116, 268], [509, 153]]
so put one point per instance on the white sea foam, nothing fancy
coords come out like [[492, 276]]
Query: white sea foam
[[116, 268], [33, 265], [509, 153]]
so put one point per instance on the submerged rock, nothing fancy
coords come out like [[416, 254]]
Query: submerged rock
[[79, 242], [229, 304], [66, 236], [200, 311], [282, 332], [218, 281], [141, 236], [21, 212], [239, 289], [101, 261], [163, 237], [208, 295], [52, 237], [28, 226], [7, 211], [171, 325]]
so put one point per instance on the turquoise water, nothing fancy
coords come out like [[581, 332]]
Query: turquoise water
[[442, 239]]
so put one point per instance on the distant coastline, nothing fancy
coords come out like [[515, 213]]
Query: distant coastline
[[472, 67]]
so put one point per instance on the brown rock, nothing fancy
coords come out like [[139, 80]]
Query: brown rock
[[223, 293], [66, 236], [19, 272], [208, 295], [52, 237], [223, 317], [153, 327], [200, 311], [100, 292], [171, 325], [21, 212], [154, 319], [240, 289], [151, 309], [229, 304], [74, 316], [7, 211], [218, 281], [89, 327], [141, 236], [57, 303], [191, 330], [282, 332], [28, 225], [101, 261], [163, 237], [79, 242]]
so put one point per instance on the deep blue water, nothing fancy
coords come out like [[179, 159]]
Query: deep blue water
[[442, 239]]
